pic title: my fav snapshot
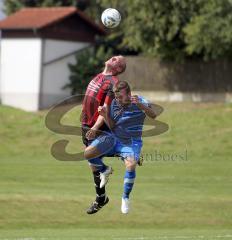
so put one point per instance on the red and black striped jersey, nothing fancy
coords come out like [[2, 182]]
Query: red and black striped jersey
[[98, 93]]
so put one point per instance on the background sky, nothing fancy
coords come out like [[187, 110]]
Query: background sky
[[2, 15]]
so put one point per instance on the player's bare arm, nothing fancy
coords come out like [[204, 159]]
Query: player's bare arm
[[147, 110], [91, 134], [104, 112]]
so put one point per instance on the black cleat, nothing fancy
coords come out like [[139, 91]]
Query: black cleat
[[95, 206]]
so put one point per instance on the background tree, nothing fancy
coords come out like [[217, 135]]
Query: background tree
[[155, 27], [176, 29], [89, 62], [209, 34]]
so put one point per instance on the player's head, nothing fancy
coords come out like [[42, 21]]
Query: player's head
[[116, 64], [122, 93]]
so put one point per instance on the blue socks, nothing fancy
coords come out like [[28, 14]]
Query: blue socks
[[129, 179]]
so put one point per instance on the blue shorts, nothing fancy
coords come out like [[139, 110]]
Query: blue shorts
[[108, 145]]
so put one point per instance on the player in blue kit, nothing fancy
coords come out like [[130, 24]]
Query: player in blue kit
[[125, 119]]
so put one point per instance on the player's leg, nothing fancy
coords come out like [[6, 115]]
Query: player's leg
[[96, 165], [131, 156], [101, 199], [94, 153], [101, 146], [129, 179]]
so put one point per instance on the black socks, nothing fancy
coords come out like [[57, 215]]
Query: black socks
[[100, 192]]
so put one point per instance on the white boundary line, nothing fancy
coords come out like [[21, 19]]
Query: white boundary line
[[227, 236]]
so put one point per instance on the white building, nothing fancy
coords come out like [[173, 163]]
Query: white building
[[36, 46]]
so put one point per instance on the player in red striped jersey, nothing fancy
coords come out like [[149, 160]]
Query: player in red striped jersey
[[99, 93]]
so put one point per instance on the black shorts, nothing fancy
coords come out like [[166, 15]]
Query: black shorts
[[85, 129]]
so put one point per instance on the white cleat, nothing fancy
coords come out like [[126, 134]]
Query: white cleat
[[125, 205], [104, 176]]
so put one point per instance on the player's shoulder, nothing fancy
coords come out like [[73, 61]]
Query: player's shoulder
[[99, 75], [97, 78]]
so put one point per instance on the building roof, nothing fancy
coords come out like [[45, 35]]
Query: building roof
[[38, 18]]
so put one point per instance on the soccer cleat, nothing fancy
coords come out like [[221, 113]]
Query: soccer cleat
[[95, 206], [125, 205], [104, 176]]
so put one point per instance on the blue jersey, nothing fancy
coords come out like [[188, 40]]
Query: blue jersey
[[128, 121]]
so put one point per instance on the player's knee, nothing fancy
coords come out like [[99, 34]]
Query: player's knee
[[88, 153], [130, 164], [131, 167], [91, 152]]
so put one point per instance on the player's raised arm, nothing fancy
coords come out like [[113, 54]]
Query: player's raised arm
[[143, 106]]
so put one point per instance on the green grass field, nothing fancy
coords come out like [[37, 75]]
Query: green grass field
[[45, 199]]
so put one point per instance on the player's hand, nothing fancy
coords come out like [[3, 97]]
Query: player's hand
[[91, 134], [135, 99], [102, 111]]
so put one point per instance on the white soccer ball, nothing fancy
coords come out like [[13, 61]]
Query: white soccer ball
[[111, 18]]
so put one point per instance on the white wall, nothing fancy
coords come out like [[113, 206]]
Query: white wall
[[20, 73], [56, 48], [55, 72]]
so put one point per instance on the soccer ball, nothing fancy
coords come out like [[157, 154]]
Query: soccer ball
[[111, 18]]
